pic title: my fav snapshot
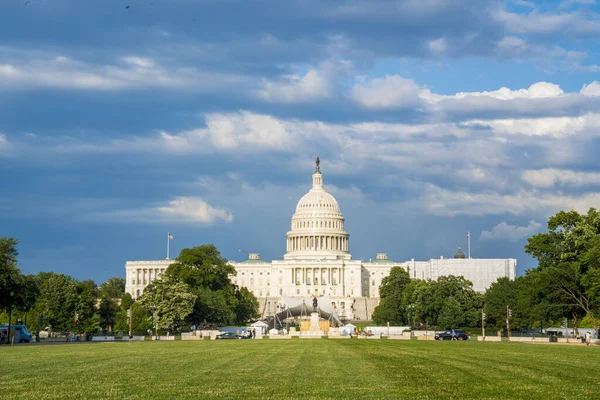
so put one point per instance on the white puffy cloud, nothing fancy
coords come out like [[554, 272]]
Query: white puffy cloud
[[549, 126], [193, 209], [549, 177], [187, 210], [538, 90], [297, 89], [316, 84], [438, 46], [392, 91], [592, 89], [446, 202], [229, 131], [127, 73], [512, 233]]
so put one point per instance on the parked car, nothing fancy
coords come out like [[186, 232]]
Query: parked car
[[447, 335], [228, 335]]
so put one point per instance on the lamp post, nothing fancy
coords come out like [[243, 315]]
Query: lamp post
[[10, 296], [155, 322], [411, 309]]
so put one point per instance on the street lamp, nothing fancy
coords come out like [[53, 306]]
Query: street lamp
[[411, 309], [155, 321], [11, 294]]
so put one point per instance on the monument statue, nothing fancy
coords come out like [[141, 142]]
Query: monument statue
[[318, 162], [315, 303]]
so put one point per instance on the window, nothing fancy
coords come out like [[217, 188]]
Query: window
[[297, 291], [138, 293], [261, 273], [280, 292], [373, 282]]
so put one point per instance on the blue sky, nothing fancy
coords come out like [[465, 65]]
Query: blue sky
[[203, 118]]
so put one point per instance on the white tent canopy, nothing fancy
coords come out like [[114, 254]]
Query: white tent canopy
[[298, 307]]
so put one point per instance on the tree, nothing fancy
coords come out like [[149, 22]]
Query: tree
[[497, 297], [247, 306], [10, 276], [451, 314], [202, 266], [208, 276], [392, 307], [431, 298], [568, 263], [57, 301], [113, 288], [108, 312], [85, 307], [170, 301]]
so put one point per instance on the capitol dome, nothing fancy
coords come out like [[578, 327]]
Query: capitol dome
[[318, 200], [317, 229]]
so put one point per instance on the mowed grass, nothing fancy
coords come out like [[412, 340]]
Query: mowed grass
[[303, 369]]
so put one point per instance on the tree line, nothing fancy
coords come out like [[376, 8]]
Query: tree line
[[565, 286], [196, 289]]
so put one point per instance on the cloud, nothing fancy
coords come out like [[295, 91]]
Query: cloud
[[184, 210], [512, 233], [316, 84], [570, 24], [556, 127], [572, 3], [126, 73], [446, 202], [226, 131], [538, 90], [392, 91], [550, 177], [592, 89]]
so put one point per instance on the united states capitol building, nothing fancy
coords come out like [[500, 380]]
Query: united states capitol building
[[318, 262]]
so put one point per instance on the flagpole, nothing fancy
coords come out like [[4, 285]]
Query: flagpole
[[168, 242], [469, 244]]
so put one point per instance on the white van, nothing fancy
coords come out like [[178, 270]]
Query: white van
[[18, 332]]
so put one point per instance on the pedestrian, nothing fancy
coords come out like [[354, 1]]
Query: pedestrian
[[72, 336], [253, 333], [453, 335], [588, 338]]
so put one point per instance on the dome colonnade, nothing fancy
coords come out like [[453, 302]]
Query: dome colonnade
[[317, 226]]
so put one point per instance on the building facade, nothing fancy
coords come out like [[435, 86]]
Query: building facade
[[318, 262]]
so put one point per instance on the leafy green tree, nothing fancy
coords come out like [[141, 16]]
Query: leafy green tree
[[431, 298], [11, 279], [392, 307], [568, 264], [121, 321], [108, 313], [208, 276], [247, 306], [202, 266], [451, 314], [113, 288], [85, 307], [498, 296], [171, 301], [57, 301], [141, 319]]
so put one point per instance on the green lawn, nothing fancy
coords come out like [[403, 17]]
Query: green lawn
[[307, 369]]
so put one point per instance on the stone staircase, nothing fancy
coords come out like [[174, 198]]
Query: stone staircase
[[363, 308]]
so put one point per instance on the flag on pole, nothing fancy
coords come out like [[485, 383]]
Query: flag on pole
[[170, 236]]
